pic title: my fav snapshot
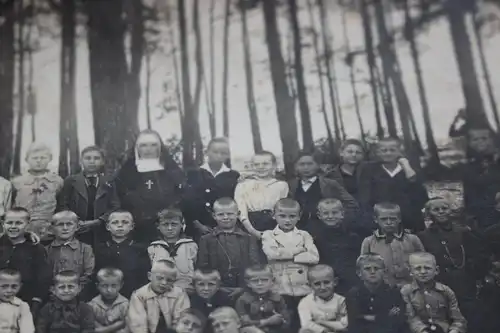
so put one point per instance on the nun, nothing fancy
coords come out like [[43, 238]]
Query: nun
[[148, 181]]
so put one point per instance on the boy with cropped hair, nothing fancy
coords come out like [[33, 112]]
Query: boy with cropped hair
[[15, 315], [208, 295]]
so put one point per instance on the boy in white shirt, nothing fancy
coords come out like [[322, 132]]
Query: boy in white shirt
[[15, 315]]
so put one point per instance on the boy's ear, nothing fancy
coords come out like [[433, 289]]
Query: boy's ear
[[437, 269], [335, 281], [149, 276]]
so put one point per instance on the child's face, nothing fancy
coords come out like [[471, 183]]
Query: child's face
[[480, 141], [388, 220], [38, 161], [260, 283], [225, 324], [440, 211], [331, 215], [287, 218], [64, 229], [423, 269], [162, 280], [352, 154], [15, 224], [189, 323], [9, 286], [218, 152], [120, 224], [170, 228], [306, 167], [389, 152], [109, 287], [206, 287], [226, 216], [371, 272], [263, 165], [66, 288], [322, 284], [92, 161]]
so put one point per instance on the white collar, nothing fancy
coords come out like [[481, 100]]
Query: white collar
[[223, 169], [278, 231], [148, 165], [309, 180], [394, 172]]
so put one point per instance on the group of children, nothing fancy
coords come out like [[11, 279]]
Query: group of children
[[259, 255]]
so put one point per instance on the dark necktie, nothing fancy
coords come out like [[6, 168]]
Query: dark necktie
[[92, 181]]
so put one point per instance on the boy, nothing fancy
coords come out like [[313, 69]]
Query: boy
[[191, 321], [175, 247], [37, 189], [337, 242], [373, 306], [64, 313], [19, 252], [5, 196], [392, 242], [110, 308], [66, 253], [91, 195], [259, 306], [430, 305], [123, 253], [256, 197], [227, 248], [208, 295], [158, 305], [15, 315], [310, 187], [323, 311], [225, 320], [211, 181], [393, 180], [290, 252], [352, 153]]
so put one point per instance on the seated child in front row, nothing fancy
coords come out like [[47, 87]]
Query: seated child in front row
[[226, 320], [110, 308], [259, 307], [373, 306], [15, 315], [227, 248], [157, 306], [431, 306], [66, 253], [290, 252], [123, 253], [337, 242], [392, 242], [208, 295], [191, 321], [64, 312], [323, 311], [174, 246]]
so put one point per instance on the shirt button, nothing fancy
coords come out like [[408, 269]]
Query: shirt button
[[371, 308], [371, 299], [207, 190], [427, 306], [207, 204]]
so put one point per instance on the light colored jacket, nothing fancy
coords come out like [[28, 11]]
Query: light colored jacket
[[185, 250], [146, 306], [15, 317], [106, 314], [5, 196], [289, 268]]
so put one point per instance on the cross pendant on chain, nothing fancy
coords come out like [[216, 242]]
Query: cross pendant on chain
[[149, 183]]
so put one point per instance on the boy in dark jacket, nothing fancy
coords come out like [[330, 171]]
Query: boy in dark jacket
[[91, 195], [208, 295], [337, 242], [19, 252]]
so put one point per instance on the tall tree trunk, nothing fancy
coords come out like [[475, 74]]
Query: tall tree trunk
[[352, 76], [175, 65], [147, 100], [456, 14], [200, 75], [305, 114], [290, 75], [211, 115], [284, 103], [189, 123], [7, 65], [370, 57], [252, 105], [31, 98], [21, 48], [225, 70], [484, 65], [108, 77], [339, 107], [429, 135]]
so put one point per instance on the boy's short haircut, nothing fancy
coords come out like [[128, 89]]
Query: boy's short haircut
[[255, 269], [120, 211], [65, 214], [369, 257], [37, 147], [217, 140], [320, 268], [168, 264], [390, 139], [200, 274], [224, 311], [66, 274], [386, 206], [17, 209], [428, 204], [267, 153], [169, 213], [93, 148], [287, 203], [10, 272], [330, 202], [195, 313], [308, 153], [225, 202], [109, 272], [425, 255], [352, 142]]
